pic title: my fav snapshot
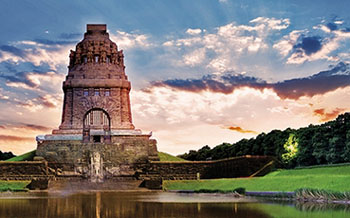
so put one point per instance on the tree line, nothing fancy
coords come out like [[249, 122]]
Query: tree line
[[328, 143], [6, 155]]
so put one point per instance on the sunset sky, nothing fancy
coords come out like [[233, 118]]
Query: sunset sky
[[203, 72]]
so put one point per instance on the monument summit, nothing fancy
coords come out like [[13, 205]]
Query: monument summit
[[96, 138]]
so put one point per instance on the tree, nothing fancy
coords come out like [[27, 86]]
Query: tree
[[291, 146]]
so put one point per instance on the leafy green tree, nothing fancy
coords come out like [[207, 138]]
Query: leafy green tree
[[291, 146], [316, 144]]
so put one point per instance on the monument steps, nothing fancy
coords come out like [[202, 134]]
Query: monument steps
[[80, 184]]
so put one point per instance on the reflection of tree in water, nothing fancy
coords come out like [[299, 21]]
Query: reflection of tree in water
[[314, 206], [119, 205]]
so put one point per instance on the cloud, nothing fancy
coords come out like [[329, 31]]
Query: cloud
[[36, 81], [53, 42], [3, 96], [36, 127], [324, 116], [11, 138], [320, 83], [285, 45], [271, 23], [24, 126], [332, 26], [182, 119], [38, 52], [193, 31], [306, 46], [239, 129], [13, 50], [196, 57], [46, 101], [70, 35], [220, 50], [130, 40], [309, 45], [185, 113], [338, 22], [226, 83]]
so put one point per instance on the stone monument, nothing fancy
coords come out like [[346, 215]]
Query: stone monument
[[96, 138]]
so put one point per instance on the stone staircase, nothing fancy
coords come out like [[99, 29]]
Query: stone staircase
[[80, 184]]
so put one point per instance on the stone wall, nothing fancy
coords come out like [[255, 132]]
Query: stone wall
[[21, 170], [75, 158], [228, 168], [149, 171], [240, 166]]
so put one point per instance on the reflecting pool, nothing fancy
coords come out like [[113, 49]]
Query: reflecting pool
[[155, 204]]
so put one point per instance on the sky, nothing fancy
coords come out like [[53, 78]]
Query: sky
[[203, 72]]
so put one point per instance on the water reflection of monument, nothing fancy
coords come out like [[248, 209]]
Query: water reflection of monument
[[98, 204], [96, 138], [140, 205]]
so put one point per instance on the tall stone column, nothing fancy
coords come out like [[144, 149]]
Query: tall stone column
[[129, 107], [67, 109], [117, 120], [124, 107]]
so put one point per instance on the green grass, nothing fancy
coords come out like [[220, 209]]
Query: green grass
[[287, 211], [24, 157], [339, 170], [321, 195], [167, 157], [327, 178], [13, 185]]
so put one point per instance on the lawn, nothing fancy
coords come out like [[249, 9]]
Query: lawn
[[13, 185], [24, 157], [167, 157], [335, 178]]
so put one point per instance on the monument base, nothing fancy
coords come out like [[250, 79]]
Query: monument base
[[68, 155]]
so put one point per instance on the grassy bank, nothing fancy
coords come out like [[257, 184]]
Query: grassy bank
[[327, 178], [13, 185], [24, 157], [168, 157]]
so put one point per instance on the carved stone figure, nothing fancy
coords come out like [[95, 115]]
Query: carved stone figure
[[103, 57], [96, 47], [114, 58], [77, 56], [71, 58], [90, 55], [121, 58]]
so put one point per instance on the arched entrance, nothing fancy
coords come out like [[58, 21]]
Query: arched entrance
[[97, 127]]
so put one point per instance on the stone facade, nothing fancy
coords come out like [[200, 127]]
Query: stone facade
[[132, 170], [244, 166], [96, 138], [116, 158], [23, 170], [96, 80]]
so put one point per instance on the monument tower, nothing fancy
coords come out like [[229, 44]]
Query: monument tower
[[96, 125]]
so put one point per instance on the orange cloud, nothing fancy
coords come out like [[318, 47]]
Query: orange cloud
[[11, 138], [25, 126], [324, 116], [36, 127], [239, 129]]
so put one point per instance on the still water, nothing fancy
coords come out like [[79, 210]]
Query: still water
[[155, 204]]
